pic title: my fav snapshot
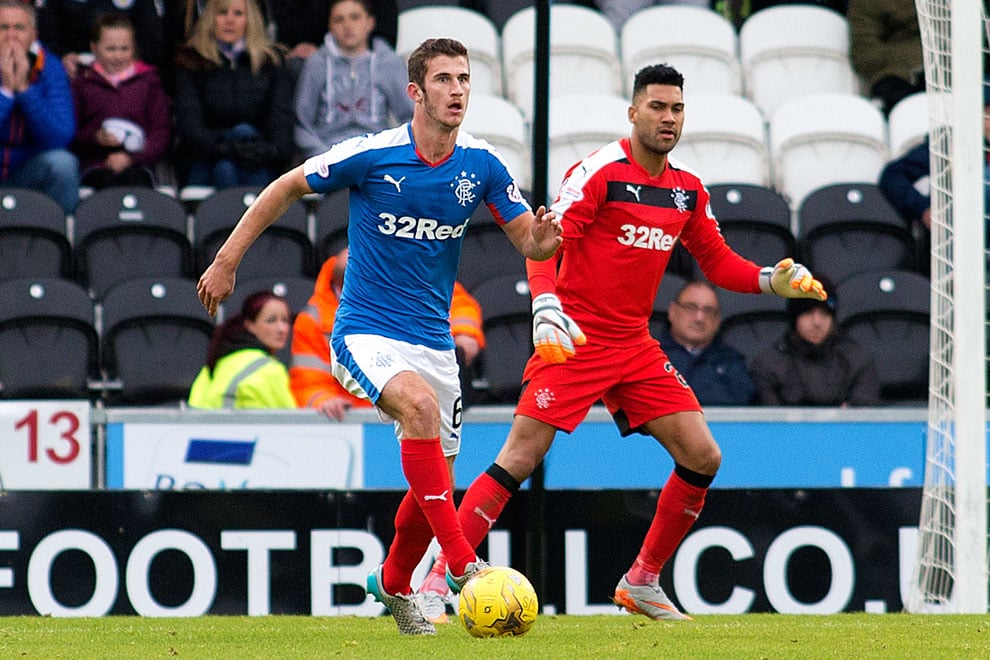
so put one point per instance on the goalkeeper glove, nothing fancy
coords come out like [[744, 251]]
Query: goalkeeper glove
[[554, 333], [791, 280]]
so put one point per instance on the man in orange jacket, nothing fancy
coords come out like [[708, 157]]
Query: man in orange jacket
[[312, 382]]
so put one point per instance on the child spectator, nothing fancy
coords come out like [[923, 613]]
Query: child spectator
[[122, 111], [65, 26]]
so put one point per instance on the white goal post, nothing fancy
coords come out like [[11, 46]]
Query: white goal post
[[951, 571]]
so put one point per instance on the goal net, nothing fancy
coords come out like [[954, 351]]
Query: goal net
[[950, 574]]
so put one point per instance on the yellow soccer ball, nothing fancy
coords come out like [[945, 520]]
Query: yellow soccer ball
[[498, 602]]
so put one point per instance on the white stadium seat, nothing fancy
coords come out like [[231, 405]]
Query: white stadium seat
[[470, 27], [584, 54], [790, 50], [821, 139], [908, 123], [578, 125], [700, 43], [724, 140], [500, 122]]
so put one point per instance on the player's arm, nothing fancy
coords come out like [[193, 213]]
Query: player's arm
[[217, 282], [536, 235], [554, 333]]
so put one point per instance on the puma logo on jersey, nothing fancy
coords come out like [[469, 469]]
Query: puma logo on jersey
[[398, 184], [442, 497], [634, 190]]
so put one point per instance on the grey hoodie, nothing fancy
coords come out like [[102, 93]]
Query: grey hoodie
[[338, 97]]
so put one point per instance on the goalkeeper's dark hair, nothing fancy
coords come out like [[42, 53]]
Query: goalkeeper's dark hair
[[656, 74], [420, 58]]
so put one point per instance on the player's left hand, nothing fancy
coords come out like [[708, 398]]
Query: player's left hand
[[788, 279], [547, 230]]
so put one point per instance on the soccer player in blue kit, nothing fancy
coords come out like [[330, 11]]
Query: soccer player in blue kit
[[413, 189]]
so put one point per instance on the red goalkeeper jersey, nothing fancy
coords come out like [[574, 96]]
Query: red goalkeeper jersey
[[620, 227]]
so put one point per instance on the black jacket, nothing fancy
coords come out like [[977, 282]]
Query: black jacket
[[211, 99], [838, 371]]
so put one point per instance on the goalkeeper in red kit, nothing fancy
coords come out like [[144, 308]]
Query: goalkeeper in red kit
[[623, 208]]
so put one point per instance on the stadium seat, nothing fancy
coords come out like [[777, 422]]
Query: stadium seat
[[755, 221], [908, 124], [584, 54], [724, 140], [331, 215], [283, 249], [486, 252], [670, 286], [470, 27], [122, 233], [888, 313], [501, 123], [847, 228], [752, 322], [791, 50], [154, 334], [699, 42], [506, 311], [33, 236], [820, 139], [578, 125], [49, 340]]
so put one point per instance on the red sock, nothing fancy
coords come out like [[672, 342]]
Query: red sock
[[426, 471], [412, 531], [678, 507], [481, 506]]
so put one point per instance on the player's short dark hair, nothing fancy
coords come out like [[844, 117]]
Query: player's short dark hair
[[657, 74], [420, 58]]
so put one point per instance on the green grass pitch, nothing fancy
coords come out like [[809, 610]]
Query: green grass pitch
[[712, 636]]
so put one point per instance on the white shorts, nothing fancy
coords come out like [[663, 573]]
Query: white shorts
[[365, 363]]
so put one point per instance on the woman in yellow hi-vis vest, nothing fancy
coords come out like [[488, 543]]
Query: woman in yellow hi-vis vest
[[241, 369]]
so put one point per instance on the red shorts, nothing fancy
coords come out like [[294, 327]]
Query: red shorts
[[636, 383]]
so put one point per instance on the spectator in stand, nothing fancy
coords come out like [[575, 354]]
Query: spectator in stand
[[815, 363], [299, 25], [37, 121], [122, 110], [903, 182], [241, 369], [65, 27], [715, 371], [885, 48], [233, 100], [355, 84], [311, 376]]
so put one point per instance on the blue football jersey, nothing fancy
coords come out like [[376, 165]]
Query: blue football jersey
[[404, 231]]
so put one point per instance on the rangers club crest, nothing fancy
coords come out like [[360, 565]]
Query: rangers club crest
[[680, 198], [464, 188]]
